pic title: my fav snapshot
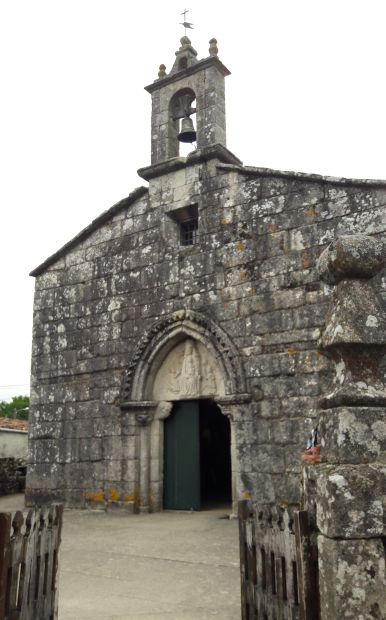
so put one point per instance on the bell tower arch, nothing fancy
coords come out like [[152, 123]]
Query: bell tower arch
[[180, 110]]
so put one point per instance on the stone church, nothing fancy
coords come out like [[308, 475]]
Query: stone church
[[175, 357]]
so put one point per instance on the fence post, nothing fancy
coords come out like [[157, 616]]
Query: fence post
[[29, 564], [5, 534], [58, 522], [306, 568], [248, 569]]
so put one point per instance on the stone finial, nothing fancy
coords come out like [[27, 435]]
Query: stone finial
[[351, 256], [162, 71], [213, 49], [186, 56]]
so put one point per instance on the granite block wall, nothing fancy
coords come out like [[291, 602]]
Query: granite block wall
[[252, 272]]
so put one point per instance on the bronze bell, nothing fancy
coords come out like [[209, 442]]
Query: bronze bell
[[187, 133]]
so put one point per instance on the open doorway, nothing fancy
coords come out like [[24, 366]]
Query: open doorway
[[215, 456], [197, 461]]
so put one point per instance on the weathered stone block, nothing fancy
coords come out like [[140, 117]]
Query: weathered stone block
[[81, 475], [270, 408], [350, 501], [355, 317], [358, 256], [68, 450], [300, 405], [268, 459], [45, 476], [352, 579], [352, 434], [130, 470], [90, 449], [112, 470]]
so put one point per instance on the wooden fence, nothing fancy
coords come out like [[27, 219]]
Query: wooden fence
[[278, 564], [29, 564]]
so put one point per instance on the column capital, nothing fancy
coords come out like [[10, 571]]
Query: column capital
[[233, 399], [143, 411], [163, 410], [230, 405]]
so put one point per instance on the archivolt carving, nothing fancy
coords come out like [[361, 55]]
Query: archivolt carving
[[160, 340]]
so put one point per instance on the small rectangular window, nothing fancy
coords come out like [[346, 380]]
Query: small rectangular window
[[189, 231], [186, 220]]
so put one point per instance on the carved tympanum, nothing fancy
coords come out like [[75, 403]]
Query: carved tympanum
[[188, 371]]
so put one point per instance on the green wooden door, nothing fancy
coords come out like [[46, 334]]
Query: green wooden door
[[182, 457]]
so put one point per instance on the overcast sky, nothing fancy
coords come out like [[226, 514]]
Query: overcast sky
[[307, 93]]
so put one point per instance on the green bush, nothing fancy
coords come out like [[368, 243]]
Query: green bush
[[20, 403]]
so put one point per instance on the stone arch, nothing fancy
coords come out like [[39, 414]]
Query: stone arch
[[180, 106], [163, 336]]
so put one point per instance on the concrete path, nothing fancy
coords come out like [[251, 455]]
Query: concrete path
[[167, 566]]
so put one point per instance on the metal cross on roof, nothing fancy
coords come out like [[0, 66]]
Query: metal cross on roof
[[186, 24]]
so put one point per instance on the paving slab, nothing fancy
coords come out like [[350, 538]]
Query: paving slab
[[165, 566]]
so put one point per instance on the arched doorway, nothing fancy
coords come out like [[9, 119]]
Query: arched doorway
[[197, 457], [185, 356]]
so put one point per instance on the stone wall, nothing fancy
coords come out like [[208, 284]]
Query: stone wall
[[13, 444], [252, 273], [12, 475]]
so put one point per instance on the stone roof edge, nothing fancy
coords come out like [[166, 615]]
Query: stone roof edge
[[304, 176], [83, 234]]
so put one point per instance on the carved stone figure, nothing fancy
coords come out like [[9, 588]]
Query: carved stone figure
[[209, 378], [188, 382]]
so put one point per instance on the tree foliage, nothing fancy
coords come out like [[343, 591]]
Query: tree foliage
[[20, 403]]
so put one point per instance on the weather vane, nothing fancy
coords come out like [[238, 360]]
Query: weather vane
[[186, 24]]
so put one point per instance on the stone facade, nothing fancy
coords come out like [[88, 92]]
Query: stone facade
[[119, 303]]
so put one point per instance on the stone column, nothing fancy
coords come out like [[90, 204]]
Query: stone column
[[144, 418], [350, 481], [232, 407], [143, 413], [163, 410]]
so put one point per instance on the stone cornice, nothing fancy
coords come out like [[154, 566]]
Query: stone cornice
[[211, 61], [138, 405], [217, 151]]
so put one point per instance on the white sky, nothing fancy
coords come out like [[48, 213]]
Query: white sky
[[307, 93]]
